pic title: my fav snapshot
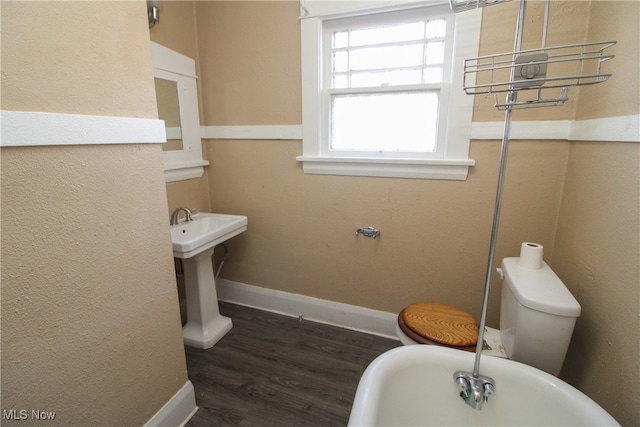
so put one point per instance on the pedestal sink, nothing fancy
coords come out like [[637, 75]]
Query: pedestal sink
[[194, 241]]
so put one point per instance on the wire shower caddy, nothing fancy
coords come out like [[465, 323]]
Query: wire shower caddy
[[543, 76], [539, 77]]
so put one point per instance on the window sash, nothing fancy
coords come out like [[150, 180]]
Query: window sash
[[383, 124], [363, 49], [442, 88]]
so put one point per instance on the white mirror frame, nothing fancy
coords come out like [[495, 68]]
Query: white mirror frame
[[188, 162]]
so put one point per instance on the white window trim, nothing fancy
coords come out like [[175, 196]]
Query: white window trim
[[456, 162]]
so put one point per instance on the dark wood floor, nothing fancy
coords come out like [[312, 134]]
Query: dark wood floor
[[273, 370]]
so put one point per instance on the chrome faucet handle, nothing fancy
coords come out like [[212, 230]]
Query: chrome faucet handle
[[463, 386], [489, 390]]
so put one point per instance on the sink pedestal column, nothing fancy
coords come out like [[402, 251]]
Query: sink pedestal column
[[205, 325]]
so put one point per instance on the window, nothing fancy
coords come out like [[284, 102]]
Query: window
[[383, 83], [379, 91]]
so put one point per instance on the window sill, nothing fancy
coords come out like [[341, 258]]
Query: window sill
[[454, 169]]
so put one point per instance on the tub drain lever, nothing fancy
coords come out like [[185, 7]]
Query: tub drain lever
[[368, 232]]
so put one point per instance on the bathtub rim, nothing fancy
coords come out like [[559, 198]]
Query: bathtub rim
[[398, 358]]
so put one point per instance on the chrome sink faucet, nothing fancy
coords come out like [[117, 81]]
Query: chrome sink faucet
[[176, 214]]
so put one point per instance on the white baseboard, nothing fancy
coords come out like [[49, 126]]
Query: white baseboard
[[178, 410], [347, 316]]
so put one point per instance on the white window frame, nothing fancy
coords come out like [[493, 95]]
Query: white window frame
[[452, 163]]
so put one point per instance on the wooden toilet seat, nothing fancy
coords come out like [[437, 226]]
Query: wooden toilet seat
[[439, 324]]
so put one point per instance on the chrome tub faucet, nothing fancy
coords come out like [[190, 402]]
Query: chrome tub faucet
[[474, 390]]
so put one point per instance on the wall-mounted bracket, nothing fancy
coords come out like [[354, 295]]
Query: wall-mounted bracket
[[368, 232], [530, 70]]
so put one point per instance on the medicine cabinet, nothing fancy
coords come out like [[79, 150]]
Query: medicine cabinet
[[177, 96]]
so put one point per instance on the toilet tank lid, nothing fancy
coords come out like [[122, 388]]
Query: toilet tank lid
[[540, 290]]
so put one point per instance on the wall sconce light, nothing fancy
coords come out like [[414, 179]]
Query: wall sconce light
[[153, 12]]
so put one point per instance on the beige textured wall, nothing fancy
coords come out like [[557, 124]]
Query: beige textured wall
[[620, 96], [596, 255], [435, 234], [177, 30], [59, 72], [90, 319], [250, 62], [598, 238]]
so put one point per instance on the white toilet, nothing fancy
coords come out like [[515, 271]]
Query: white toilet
[[537, 316]]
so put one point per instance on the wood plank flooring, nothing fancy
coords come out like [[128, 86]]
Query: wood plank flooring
[[273, 370]]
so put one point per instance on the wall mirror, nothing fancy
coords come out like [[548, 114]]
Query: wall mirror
[[169, 111], [177, 97]]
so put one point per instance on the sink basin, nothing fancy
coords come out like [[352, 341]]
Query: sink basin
[[205, 231]]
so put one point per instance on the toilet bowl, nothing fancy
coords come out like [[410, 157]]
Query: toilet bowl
[[537, 317], [420, 324], [438, 324]]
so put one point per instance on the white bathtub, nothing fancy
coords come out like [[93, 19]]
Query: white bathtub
[[414, 386]]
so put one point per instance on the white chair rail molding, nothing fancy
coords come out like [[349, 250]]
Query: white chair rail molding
[[35, 128]]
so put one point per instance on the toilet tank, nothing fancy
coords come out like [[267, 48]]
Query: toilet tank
[[537, 316]]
